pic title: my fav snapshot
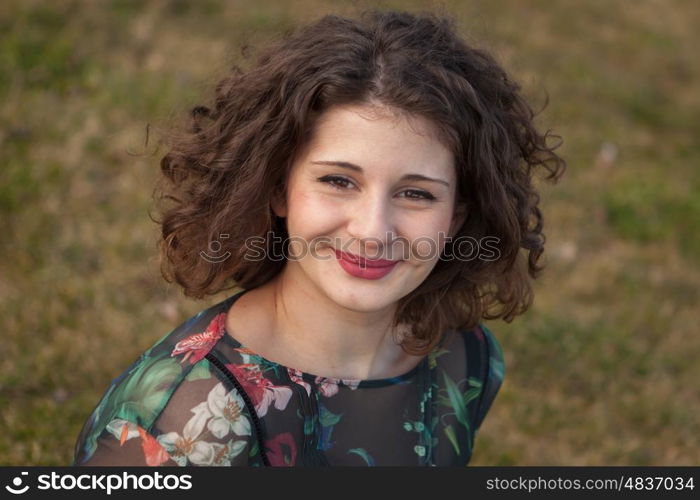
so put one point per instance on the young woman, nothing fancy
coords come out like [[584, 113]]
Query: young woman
[[367, 187]]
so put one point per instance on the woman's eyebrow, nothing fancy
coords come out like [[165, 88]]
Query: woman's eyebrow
[[357, 168]]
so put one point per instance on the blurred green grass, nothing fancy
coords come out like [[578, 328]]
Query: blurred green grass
[[601, 371]]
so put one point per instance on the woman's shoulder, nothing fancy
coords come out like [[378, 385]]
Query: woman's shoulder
[[478, 345], [482, 346], [494, 354], [466, 376], [172, 371], [487, 353]]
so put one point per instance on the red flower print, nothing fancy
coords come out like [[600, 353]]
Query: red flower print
[[198, 345], [124, 435], [155, 454], [250, 378], [260, 389], [275, 453]]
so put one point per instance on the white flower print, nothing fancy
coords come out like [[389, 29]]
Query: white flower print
[[122, 429], [224, 453], [226, 410], [188, 447]]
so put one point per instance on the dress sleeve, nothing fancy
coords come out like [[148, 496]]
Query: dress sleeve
[[127, 444], [495, 374], [204, 422]]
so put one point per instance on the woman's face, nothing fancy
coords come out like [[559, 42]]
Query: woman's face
[[374, 185]]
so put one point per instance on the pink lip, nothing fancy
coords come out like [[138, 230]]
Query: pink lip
[[364, 268], [363, 261]]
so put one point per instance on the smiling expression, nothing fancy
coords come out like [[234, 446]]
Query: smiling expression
[[368, 204]]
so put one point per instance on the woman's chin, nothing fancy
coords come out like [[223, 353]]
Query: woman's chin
[[363, 306], [360, 299]]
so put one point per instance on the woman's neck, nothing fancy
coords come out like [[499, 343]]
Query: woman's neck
[[307, 330]]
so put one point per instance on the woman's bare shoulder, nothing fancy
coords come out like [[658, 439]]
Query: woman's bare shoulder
[[249, 317]]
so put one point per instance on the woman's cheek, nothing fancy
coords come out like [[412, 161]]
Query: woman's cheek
[[315, 213]]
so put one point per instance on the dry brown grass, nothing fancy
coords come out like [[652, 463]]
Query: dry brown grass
[[602, 371]]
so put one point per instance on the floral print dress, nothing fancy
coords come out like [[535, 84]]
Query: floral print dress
[[199, 397]]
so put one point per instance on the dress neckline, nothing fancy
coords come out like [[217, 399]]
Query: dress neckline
[[319, 379]]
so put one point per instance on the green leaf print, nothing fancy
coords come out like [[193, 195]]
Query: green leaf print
[[497, 366], [472, 393], [456, 400], [308, 426], [254, 449], [363, 453], [474, 382], [496, 360], [138, 397], [143, 391], [328, 418], [433, 355], [200, 371], [450, 432]]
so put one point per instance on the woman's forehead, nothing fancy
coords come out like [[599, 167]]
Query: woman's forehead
[[378, 136], [377, 116]]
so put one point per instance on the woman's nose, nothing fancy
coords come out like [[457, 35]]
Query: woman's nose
[[370, 222]]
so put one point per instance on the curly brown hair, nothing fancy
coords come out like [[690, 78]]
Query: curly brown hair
[[219, 175]]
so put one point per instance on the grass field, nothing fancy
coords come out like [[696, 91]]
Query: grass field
[[603, 370]]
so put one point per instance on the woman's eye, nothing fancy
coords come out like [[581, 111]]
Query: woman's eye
[[419, 195], [334, 180], [341, 183]]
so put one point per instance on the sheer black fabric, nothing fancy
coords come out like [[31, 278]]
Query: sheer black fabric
[[199, 397]]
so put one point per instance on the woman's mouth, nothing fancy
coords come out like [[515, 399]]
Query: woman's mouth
[[361, 267]]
